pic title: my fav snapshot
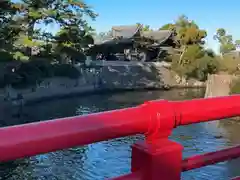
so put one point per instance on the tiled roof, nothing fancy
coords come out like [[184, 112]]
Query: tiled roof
[[159, 36], [127, 32]]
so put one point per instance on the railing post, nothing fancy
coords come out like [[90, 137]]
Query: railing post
[[161, 159], [158, 157]]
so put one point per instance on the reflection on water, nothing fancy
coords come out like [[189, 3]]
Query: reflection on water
[[112, 158]]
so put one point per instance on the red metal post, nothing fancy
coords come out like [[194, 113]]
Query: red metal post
[[159, 160], [158, 157]]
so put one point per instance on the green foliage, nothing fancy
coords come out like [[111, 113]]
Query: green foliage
[[29, 73], [8, 30], [225, 40], [144, 27], [237, 43], [204, 66], [191, 35], [235, 86], [198, 68], [210, 53], [66, 70], [189, 39], [168, 26], [187, 31], [35, 71], [43, 66], [20, 56], [73, 36], [70, 15], [19, 37], [229, 65], [5, 56], [192, 53], [193, 61]]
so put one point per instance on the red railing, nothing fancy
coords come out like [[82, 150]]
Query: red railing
[[156, 158]]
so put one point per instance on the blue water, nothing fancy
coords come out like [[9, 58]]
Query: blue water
[[112, 158]]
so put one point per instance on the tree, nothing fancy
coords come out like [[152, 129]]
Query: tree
[[226, 41], [210, 53], [144, 27], [168, 26], [237, 44], [65, 13], [193, 60], [19, 35], [8, 29], [73, 41], [188, 36]]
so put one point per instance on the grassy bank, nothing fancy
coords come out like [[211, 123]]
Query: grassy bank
[[235, 86]]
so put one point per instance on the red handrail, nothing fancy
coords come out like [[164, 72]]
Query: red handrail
[[155, 119], [236, 178], [210, 158], [208, 109]]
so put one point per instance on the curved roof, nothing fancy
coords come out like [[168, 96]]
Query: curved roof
[[127, 32], [160, 36], [124, 32], [103, 40], [115, 41]]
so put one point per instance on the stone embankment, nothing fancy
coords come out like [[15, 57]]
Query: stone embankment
[[155, 75], [103, 77], [218, 85]]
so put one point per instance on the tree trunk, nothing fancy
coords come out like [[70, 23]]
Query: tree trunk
[[182, 55]]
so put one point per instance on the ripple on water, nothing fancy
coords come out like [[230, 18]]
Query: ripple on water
[[112, 158], [203, 140]]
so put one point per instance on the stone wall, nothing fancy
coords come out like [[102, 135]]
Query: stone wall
[[100, 77], [134, 76], [218, 85]]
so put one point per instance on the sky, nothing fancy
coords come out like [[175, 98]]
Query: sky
[[208, 14]]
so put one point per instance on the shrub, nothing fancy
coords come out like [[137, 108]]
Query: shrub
[[198, 69], [20, 56], [5, 56], [27, 74], [204, 66], [66, 70], [235, 86], [229, 65]]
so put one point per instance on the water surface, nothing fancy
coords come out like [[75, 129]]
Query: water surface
[[112, 158]]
